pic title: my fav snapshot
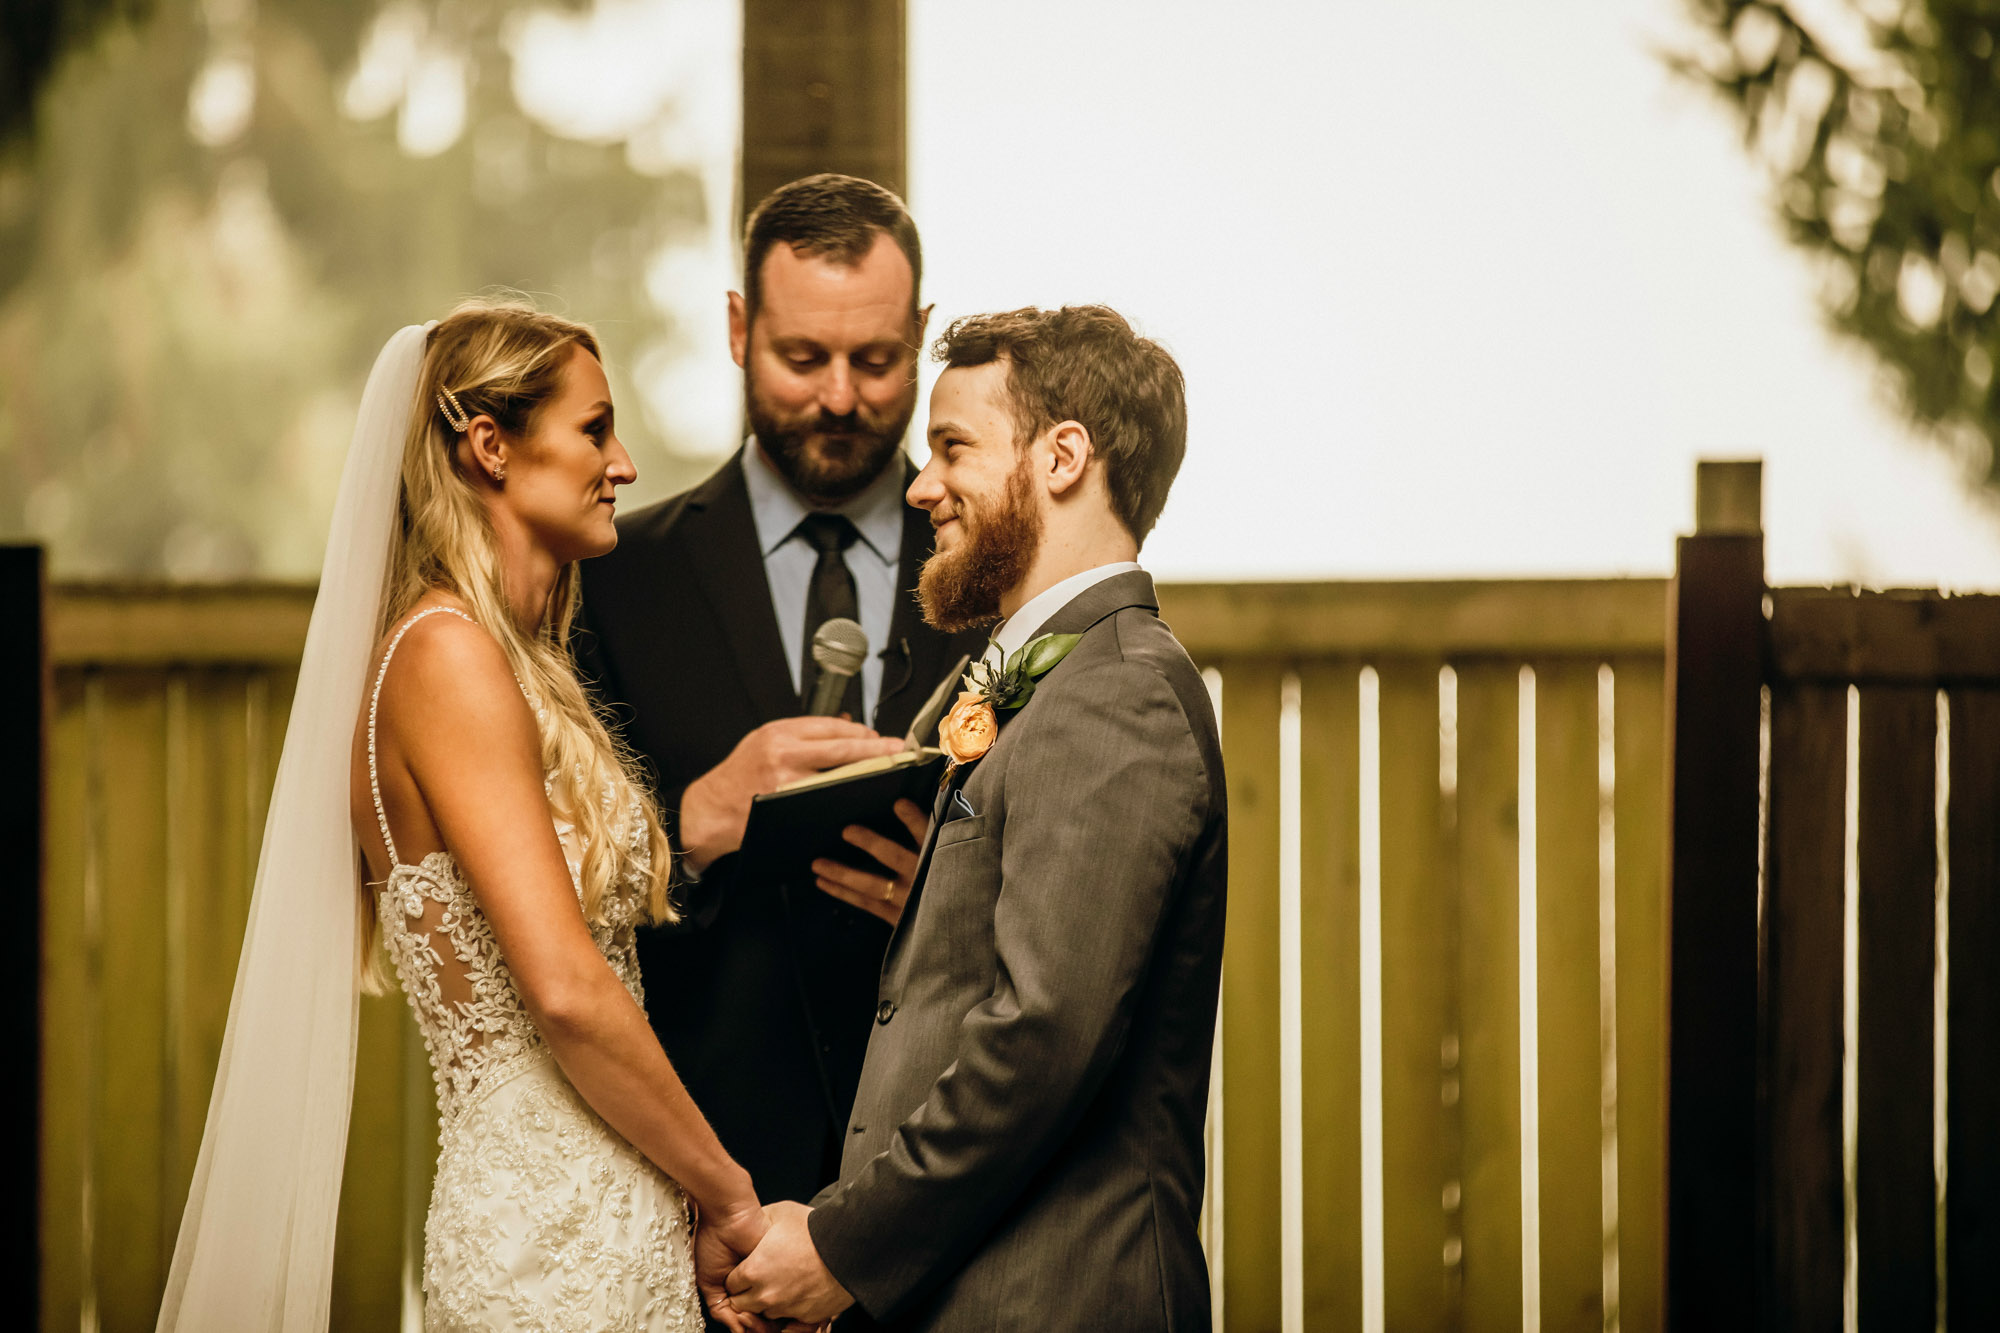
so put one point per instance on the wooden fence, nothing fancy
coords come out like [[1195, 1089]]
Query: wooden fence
[[1837, 916], [1392, 750], [1442, 1093]]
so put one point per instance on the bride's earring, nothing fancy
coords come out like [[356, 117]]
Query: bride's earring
[[499, 472]]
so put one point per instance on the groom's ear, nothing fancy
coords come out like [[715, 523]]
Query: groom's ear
[[1069, 456]]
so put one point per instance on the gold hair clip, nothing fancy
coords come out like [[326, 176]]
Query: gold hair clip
[[448, 404]]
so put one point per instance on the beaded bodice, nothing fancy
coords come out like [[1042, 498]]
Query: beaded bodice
[[473, 1021]]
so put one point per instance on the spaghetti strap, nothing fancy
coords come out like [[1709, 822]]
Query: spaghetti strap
[[374, 701]]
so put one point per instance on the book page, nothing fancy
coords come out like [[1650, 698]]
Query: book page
[[862, 767]]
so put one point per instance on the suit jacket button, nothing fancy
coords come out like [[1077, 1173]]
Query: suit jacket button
[[885, 1011]]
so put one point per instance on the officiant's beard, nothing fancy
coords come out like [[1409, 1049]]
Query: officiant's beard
[[828, 458], [961, 588]]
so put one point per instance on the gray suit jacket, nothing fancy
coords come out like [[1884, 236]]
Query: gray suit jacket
[[1025, 1150]]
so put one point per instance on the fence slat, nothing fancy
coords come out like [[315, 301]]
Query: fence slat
[[209, 838], [1489, 989], [1570, 1033], [1639, 727], [1251, 1240], [1330, 992], [131, 1111], [66, 996], [368, 1247], [1419, 996], [1972, 1151], [1896, 1208], [1804, 891]]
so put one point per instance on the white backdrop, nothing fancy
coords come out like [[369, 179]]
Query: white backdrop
[[1458, 288]]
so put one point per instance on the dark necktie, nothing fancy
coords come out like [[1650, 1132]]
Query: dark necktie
[[830, 596]]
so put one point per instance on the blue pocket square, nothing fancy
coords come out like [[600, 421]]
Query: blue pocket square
[[961, 805]]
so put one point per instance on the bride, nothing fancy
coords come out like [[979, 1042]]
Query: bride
[[509, 855]]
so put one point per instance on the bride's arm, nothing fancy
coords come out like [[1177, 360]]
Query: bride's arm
[[468, 739]]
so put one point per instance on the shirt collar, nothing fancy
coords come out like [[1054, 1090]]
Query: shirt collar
[[775, 508], [1024, 624]]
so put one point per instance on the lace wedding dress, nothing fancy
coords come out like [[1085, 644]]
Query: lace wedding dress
[[543, 1219]]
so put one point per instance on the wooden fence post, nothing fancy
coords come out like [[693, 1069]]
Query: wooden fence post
[[1715, 638], [24, 665], [823, 90]]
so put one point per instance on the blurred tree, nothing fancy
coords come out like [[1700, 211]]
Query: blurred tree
[[1880, 121], [222, 209], [33, 36]]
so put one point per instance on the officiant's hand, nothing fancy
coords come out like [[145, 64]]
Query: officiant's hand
[[784, 1277], [716, 805], [882, 895]]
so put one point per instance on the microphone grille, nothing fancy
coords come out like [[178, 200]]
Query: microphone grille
[[840, 646]]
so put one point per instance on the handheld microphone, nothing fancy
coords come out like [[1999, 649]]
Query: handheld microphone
[[839, 648]]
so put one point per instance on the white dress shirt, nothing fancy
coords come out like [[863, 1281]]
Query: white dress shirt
[[877, 514], [1024, 624]]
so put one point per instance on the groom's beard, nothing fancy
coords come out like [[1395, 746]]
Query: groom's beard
[[961, 588], [825, 457]]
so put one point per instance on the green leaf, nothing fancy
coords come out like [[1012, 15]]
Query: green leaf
[[1040, 656], [1021, 696]]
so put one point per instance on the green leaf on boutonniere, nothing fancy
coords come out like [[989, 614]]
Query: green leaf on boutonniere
[[1039, 656], [1008, 686]]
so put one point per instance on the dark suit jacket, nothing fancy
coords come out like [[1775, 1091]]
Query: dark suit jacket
[[1026, 1146], [763, 995]]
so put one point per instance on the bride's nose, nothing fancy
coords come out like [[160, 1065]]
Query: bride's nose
[[619, 467]]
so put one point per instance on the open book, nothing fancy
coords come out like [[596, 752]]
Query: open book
[[802, 821]]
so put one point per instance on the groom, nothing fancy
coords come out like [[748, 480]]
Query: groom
[[1025, 1150]]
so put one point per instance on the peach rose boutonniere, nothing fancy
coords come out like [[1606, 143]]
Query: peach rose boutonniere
[[973, 724], [969, 728]]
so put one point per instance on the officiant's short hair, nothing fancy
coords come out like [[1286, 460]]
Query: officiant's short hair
[[828, 216], [1085, 363]]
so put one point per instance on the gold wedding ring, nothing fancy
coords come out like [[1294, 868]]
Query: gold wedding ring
[[889, 889]]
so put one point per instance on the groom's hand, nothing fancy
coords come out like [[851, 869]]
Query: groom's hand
[[882, 895], [784, 1278], [716, 805]]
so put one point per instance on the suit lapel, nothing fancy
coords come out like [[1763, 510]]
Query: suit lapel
[[1132, 588], [719, 540], [1089, 607]]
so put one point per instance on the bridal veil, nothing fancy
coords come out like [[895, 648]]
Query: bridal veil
[[256, 1242]]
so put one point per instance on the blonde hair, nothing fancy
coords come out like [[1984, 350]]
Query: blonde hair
[[506, 359]]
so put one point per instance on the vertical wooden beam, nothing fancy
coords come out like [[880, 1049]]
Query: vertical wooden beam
[[1566, 919], [1421, 1185], [1250, 1151], [1805, 884], [823, 90], [24, 701], [1641, 943], [1488, 1085], [1714, 673], [128, 1134], [1330, 991], [1972, 1149], [1895, 1184], [67, 1064]]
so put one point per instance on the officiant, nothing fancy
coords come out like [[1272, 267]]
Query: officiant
[[698, 632]]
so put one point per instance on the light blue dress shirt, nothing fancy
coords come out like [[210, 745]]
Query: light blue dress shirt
[[877, 513]]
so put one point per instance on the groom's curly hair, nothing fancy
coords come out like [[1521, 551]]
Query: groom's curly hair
[[1085, 363]]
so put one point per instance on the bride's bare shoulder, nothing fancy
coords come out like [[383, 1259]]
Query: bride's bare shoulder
[[447, 672]]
